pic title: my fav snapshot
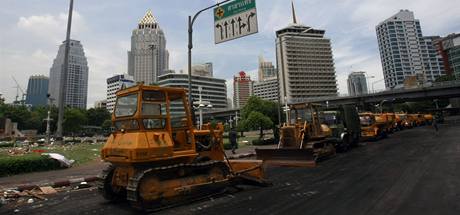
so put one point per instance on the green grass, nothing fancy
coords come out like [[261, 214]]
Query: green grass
[[81, 152]]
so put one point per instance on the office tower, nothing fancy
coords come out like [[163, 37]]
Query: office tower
[[306, 67], [242, 89], [266, 69], [37, 89], [404, 51], [76, 84], [148, 57], [357, 84]]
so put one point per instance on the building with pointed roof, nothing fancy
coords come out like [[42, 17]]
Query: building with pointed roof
[[148, 57], [306, 67]]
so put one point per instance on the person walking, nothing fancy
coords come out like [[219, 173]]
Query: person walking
[[232, 136], [435, 124]]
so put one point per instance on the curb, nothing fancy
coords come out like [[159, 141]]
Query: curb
[[242, 155], [67, 182]]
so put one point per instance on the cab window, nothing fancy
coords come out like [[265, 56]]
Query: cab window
[[126, 105], [153, 109]]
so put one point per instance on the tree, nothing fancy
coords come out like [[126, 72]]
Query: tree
[[97, 116], [74, 119], [257, 120], [267, 109]]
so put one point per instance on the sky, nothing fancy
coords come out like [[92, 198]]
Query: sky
[[32, 30]]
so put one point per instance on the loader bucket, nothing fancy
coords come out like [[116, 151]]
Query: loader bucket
[[289, 157]]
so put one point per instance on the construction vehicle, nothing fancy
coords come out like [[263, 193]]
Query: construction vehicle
[[343, 123], [428, 118], [402, 121], [303, 140], [158, 158], [370, 127], [387, 119]]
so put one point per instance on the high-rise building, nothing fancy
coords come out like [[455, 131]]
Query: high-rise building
[[449, 49], [242, 89], [148, 57], [114, 84], [213, 90], [37, 90], [267, 89], [266, 69], [404, 51], [76, 84], [306, 67], [357, 84]]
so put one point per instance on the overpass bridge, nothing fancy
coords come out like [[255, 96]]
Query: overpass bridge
[[440, 90]]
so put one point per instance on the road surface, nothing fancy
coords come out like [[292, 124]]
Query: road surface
[[414, 171]]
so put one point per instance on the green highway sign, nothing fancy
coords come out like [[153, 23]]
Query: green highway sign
[[235, 19]]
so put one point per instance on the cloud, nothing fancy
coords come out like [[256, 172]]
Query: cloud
[[51, 27]]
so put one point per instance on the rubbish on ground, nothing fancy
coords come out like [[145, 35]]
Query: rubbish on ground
[[30, 201], [63, 160], [48, 190], [82, 185], [16, 210], [32, 193]]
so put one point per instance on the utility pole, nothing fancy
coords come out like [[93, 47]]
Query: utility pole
[[64, 72], [190, 47]]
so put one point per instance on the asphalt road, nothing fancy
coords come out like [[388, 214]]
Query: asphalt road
[[412, 172]]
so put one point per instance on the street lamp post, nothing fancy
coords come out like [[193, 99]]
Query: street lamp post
[[155, 76], [190, 46], [374, 83], [201, 106], [367, 82]]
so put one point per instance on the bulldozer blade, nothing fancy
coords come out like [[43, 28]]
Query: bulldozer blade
[[287, 157], [250, 180]]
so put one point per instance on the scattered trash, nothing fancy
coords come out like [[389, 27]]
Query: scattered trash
[[16, 210], [63, 160], [82, 185], [48, 190], [37, 206], [30, 201]]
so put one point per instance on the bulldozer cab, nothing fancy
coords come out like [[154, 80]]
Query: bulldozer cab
[[150, 123]]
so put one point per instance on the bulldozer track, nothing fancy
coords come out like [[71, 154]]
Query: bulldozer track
[[133, 183]]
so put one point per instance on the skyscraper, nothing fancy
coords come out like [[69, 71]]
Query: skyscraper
[[449, 48], [242, 89], [76, 84], [306, 67], [37, 88], [148, 57], [404, 51], [357, 84], [266, 69]]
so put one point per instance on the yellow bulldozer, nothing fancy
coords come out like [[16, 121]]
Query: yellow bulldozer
[[159, 158], [303, 139]]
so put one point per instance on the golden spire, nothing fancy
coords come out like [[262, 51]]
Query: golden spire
[[148, 18]]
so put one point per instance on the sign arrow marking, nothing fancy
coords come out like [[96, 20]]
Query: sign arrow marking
[[240, 25], [221, 31], [233, 27], [249, 17], [225, 24]]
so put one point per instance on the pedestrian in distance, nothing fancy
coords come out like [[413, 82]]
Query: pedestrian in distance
[[435, 125], [232, 136]]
